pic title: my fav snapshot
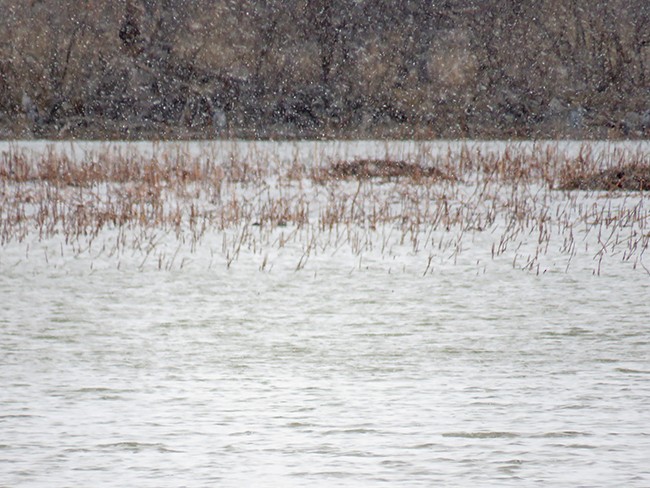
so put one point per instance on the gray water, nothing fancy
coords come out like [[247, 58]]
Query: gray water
[[335, 378], [360, 370]]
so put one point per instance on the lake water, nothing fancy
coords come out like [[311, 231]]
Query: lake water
[[348, 372]]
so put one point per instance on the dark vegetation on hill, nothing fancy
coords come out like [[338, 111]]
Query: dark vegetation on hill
[[324, 68]]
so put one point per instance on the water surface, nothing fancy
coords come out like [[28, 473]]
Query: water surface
[[345, 378], [358, 370]]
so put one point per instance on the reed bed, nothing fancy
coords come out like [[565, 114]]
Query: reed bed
[[534, 207]]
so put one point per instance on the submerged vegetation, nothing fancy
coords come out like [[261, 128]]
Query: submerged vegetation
[[521, 203]]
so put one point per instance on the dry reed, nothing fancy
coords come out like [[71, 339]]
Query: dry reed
[[521, 198]]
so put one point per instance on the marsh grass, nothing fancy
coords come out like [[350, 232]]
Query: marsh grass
[[628, 177], [383, 168], [527, 203]]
